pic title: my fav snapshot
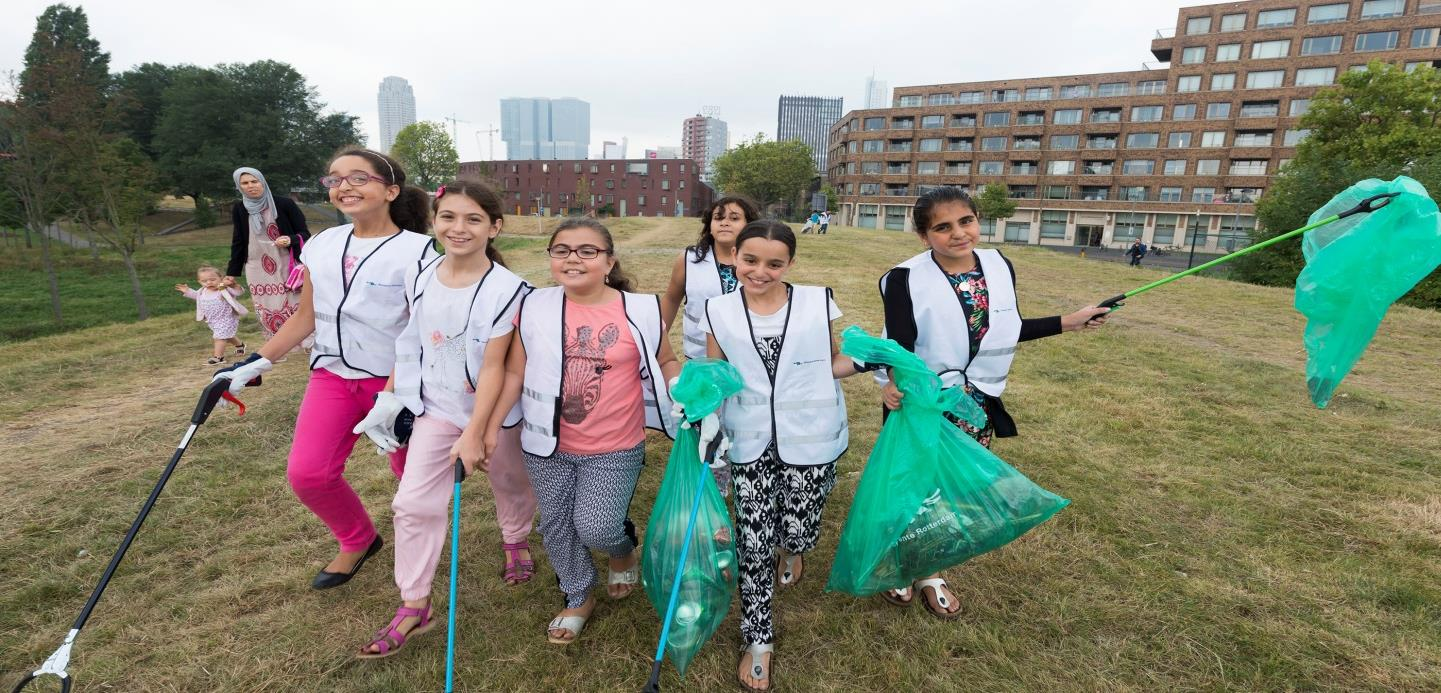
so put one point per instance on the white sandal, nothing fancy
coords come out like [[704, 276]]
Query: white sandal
[[574, 624], [787, 568], [759, 672], [625, 577], [941, 600]]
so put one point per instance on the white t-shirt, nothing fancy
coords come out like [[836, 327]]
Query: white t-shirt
[[444, 388]]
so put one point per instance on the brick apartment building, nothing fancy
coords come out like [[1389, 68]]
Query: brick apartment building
[[1157, 154], [618, 187]]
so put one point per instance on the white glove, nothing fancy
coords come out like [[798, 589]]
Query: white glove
[[677, 411], [379, 424], [244, 373], [709, 429]]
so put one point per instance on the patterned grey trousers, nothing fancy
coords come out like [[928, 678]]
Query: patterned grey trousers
[[583, 503]]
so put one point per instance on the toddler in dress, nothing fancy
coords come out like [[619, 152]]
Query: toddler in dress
[[215, 305]]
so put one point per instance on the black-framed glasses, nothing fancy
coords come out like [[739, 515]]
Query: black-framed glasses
[[356, 179], [585, 252]]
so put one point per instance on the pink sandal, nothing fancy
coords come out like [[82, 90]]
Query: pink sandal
[[517, 569], [389, 640]]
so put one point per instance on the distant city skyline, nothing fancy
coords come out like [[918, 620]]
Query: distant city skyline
[[878, 92], [703, 139], [545, 128], [395, 108], [809, 119]]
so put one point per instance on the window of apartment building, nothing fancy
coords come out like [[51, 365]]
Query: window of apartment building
[[1228, 52], [1018, 231], [875, 123], [1298, 107], [1188, 84], [594, 169], [1152, 86], [1225, 81], [1170, 194], [1061, 168], [1315, 76], [1203, 194], [1270, 49], [1428, 7], [997, 119], [1198, 25], [853, 146], [1027, 142], [963, 120], [1024, 168], [931, 144], [1246, 195], [642, 169], [1233, 22], [958, 168], [610, 184], [959, 144], [873, 146], [1053, 224], [870, 189], [866, 215], [1038, 93], [897, 168], [1143, 140], [895, 217], [1198, 227], [1208, 167], [1268, 19], [1376, 9], [1005, 95], [990, 168], [1031, 118], [1076, 91], [1327, 14], [939, 99], [1098, 167], [1217, 111], [1174, 167], [1194, 55], [993, 144], [1183, 111], [612, 168], [1265, 79], [1165, 230], [1144, 114], [1294, 137], [897, 189], [908, 101], [1260, 109], [1414, 65], [1138, 167], [899, 146], [871, 167], [1100, 142], [1066, 116], [1376, 41], [1129, 225], [1248, 167], [931, 122], [1252, 138], [903, 123], [1358, 68], [1321, 45], [577, 168], [1065, 141], [1023, 192], [1213, 138], [1113, 89], [1095, 192], [1131, 192], [1424, 38], [1105, 115], [1177, 140], [1235, 232], [970, 97], [1058, 192], [665, 185]]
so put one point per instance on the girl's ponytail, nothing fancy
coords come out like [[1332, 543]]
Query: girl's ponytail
[[618, 279]]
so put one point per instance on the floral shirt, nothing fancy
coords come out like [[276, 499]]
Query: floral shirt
[[727, 277], [975, 299]]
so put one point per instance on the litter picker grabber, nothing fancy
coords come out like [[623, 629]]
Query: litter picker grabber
[[56, 664], [454, 571], [1367, 205]]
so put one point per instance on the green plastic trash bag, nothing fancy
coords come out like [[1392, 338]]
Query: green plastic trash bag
[[1355, 269], [709, 575], [931, 497]]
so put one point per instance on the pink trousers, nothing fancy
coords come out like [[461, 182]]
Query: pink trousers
[[332, 405], [422, 502]]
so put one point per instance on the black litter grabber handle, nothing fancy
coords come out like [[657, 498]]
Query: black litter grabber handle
[[1369, 204]]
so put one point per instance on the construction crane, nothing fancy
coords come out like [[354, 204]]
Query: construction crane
[[490, 133], [454, 131]]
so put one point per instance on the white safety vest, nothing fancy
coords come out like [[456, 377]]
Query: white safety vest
[[702, 282], [942, 339], [542, 333], [803, 409], [356, 324], [494, 295]]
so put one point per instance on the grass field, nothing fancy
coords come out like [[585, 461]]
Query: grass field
[[1224, 534]]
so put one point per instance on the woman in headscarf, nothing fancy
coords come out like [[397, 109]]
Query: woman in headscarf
[[268, 235]]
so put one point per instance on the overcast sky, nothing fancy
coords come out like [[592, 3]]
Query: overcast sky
[[643, 66]]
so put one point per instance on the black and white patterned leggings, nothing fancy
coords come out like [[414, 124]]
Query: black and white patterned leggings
[[776, 505], [583, 503]]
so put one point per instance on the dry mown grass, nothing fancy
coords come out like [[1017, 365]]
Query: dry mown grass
[[1224, 533]]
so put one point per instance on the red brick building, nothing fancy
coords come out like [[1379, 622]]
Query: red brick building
[[616, 187]]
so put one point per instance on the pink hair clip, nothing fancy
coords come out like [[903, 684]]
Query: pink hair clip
[[439, 191]]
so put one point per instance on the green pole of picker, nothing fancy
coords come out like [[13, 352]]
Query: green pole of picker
[[1367, 205]]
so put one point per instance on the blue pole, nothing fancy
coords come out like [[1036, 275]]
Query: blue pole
[[454, 570]]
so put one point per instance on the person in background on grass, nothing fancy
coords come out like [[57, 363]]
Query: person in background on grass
[[1137, 251], [449, 366], [215, 305], [354, 301], [589, 369], [704, 271], [954, 283], [268, 235], [788, 426], [825, 221]]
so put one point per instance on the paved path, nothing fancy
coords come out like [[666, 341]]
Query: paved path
[[1173, 259]]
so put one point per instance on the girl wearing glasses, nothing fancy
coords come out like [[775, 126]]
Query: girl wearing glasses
[[354, 301], [589, 371]]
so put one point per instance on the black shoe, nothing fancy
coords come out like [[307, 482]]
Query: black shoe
[[325, 579]]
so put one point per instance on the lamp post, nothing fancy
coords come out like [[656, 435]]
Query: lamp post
[[1195, 219]]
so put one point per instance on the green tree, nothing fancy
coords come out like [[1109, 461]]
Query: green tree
[[832, 197], [995, 203], [111, 198], [427, 153], [764, 171], [1378, 123], [140, 92], [582, 195]]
